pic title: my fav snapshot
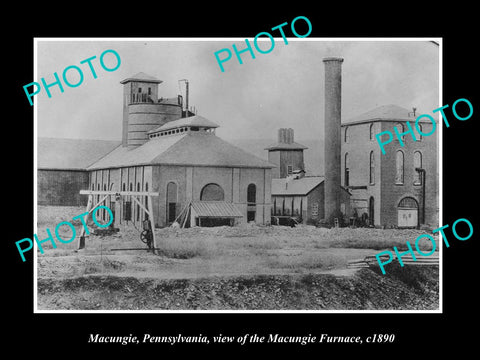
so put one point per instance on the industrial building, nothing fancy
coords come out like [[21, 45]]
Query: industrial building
[[293, 193], [168, 149], [62, 168], [183, 160], [398, 188]]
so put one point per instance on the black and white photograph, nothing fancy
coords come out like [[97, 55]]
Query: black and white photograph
[[258, 186], [219, 179]]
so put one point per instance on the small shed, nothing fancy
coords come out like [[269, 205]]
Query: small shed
[[303, 198]]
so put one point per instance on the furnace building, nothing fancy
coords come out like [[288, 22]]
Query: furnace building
[[177, 154]]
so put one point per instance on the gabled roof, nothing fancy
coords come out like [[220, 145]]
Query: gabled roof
[[141, 77], [300, 186], [386, 112], [71, 154], [196, 120], [188, 149]]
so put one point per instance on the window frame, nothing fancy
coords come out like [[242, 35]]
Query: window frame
[[402, 182]]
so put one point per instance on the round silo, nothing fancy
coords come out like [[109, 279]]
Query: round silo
[[143, 117]]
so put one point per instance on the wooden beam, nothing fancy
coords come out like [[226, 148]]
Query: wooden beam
[[152, 223], [81, 239], [140, 204], [98, 203], [122, 193]]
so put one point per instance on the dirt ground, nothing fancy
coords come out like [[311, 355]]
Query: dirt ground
[[247, 267]]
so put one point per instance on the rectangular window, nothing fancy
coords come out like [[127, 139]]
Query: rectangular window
[[289, 169], [315, 209], [127, 210]]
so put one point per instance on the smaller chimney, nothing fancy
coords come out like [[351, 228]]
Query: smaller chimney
[[280, 135], [290, 136]]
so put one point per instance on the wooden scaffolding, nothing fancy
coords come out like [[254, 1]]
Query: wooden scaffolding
[[119, 195]]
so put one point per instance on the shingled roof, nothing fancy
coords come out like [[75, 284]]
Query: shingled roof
[[188, 149], [300, 186], [389, 112], [141, 76], [196, 120], [71, 154]]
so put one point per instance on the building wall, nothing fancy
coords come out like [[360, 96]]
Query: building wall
[[274, 158], [393, 193], [316, 204], [191, 180], [312, 205], [61, 187], [385, 192], [283, 158], [358, 146], [115, 179]]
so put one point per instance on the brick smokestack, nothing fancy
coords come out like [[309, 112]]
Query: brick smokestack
[[333, 105]]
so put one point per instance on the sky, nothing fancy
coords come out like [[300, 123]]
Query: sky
[[284, 88]]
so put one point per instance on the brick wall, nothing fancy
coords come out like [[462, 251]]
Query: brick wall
[[386, 193]]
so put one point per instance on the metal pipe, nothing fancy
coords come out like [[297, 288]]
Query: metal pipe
[[423, 175]]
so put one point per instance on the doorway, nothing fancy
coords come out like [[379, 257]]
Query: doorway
[[371, 211]]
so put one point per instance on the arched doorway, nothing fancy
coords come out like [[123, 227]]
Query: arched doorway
[[407, 212], [371, 211]]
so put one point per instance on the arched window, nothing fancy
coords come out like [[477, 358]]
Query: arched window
[[408, 203], [251, 194], [419, 132], [372, 168], [123, 187], [346, 133], [399, 167], [172, 192], [400, 129], [171, 202], [417, 163], [212, 192], [372, 135], [347, 171]]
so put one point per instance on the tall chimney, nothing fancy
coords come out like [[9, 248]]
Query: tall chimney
[[333, 105]]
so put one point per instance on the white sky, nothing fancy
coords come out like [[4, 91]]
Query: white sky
[[283, 88]]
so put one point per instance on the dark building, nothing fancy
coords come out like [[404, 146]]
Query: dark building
[[286, 154], [62, 168]]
